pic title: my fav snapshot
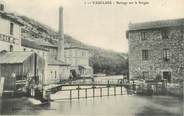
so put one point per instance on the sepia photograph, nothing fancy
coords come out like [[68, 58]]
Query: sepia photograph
[[92, 57]]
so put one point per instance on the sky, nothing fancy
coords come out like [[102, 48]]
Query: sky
[[104, 25]]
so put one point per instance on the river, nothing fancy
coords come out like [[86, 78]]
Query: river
[[119, 105], [108, 106]]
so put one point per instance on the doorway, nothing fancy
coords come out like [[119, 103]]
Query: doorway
[[11, 48], [167, 76]]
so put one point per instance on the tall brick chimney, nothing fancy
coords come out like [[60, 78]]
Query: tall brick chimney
[[61, 36]]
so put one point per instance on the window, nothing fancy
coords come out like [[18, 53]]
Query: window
[[164, 34], [145, 74], [51, 74], [167, 76], [1, 7], [143, 35], [11, 28], [55, 74], [83, 53], [70, 53], [166, 54], [182, 33], [145, 55], [11, 48]]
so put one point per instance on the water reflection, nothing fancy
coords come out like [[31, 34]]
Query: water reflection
[[107, 106]]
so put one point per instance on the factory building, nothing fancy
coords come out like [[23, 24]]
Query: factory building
[[156, 50]]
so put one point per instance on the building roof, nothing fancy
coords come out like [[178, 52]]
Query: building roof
[[156, 24], [76, 47], [31, 44], [12, 17], [14, 57], [52, 61], [44, 43], [85, 67]]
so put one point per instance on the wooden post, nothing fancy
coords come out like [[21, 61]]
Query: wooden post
[[70, 94], [86, 93], [100, 92], [114, 90], [61, 88], [1, 85], [108, 88], [78, 92], [93, 91], [121, 90]]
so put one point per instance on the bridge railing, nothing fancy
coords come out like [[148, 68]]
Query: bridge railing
[[88, 88], [98, 82], [78, 92]]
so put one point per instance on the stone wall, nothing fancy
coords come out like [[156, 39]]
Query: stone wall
[[155, 43]]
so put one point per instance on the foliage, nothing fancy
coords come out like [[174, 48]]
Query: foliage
[[108, 62]]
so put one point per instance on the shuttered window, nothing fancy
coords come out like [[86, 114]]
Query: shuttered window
[[145, 55], [165, 34], [143, 36], [166, 54], [11, 28]]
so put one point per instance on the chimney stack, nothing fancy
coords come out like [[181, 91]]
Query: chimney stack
[[61, 36]]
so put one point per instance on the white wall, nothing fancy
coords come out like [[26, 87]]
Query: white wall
[[43, 54], [58, 73], [77, 57], [6, 46], [5, 29]]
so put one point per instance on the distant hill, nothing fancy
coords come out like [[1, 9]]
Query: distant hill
[[102, 61]]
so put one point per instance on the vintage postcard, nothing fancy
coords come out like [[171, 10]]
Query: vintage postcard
[[92, 57]]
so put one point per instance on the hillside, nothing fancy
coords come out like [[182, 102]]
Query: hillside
[[102, 61]]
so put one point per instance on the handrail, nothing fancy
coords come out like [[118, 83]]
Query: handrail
[[8, 38]]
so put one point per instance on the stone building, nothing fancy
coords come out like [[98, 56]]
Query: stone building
[[156, 50]]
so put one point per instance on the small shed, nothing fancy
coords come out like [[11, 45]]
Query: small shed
[[85, 71], [16, 67]]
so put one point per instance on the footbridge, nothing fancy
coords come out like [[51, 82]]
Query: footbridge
[[87, 88]]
